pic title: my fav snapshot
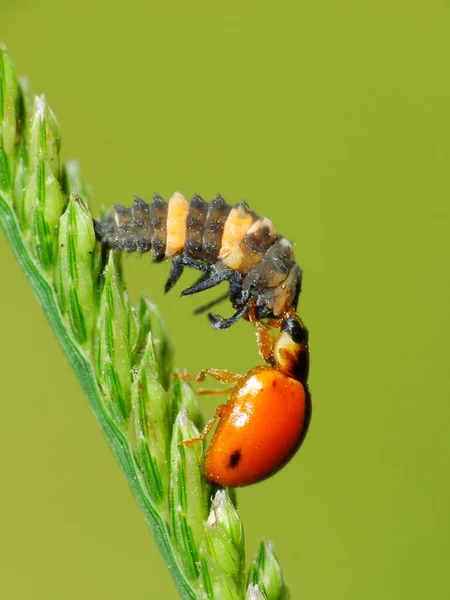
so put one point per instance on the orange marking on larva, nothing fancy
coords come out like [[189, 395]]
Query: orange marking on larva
[[262, 222], [236, 226], [242, 259], [285, 295], [177, 213], [282, 300]]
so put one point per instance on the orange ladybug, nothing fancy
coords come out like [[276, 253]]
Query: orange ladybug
[[267, 415]]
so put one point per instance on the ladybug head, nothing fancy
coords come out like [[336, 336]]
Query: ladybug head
[[290, 351]]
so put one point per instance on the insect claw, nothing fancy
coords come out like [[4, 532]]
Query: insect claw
[[215, 321], [176, 271], [218, 322]]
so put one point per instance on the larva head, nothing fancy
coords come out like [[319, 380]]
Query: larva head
[[273, 302], [290, 351], [274, 283]]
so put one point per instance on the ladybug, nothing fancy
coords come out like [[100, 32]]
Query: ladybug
[[267, 415], [223, 242]]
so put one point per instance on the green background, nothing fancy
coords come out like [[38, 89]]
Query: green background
[[332, 118]]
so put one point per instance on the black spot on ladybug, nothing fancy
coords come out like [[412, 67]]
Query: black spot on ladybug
[[274, 383], [235, 459]]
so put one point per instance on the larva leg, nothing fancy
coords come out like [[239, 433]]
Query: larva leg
[[213, 278], [176, 270], [206, 282], [218, 322]]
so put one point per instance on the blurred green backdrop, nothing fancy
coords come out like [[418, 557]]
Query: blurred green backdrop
[[332, 118]]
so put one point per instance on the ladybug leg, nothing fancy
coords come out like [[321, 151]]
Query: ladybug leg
[[264, 342], [205, 392], [207, 428], [183, 376], [262, 335], [217, 374], [220, 375], [277, 323]]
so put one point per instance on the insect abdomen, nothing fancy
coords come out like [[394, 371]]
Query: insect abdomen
[[207, 231], [140, 228]]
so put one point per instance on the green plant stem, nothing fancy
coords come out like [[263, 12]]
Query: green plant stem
[[83, 369]]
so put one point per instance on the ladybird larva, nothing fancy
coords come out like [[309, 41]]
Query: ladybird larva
[[224, 242]]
